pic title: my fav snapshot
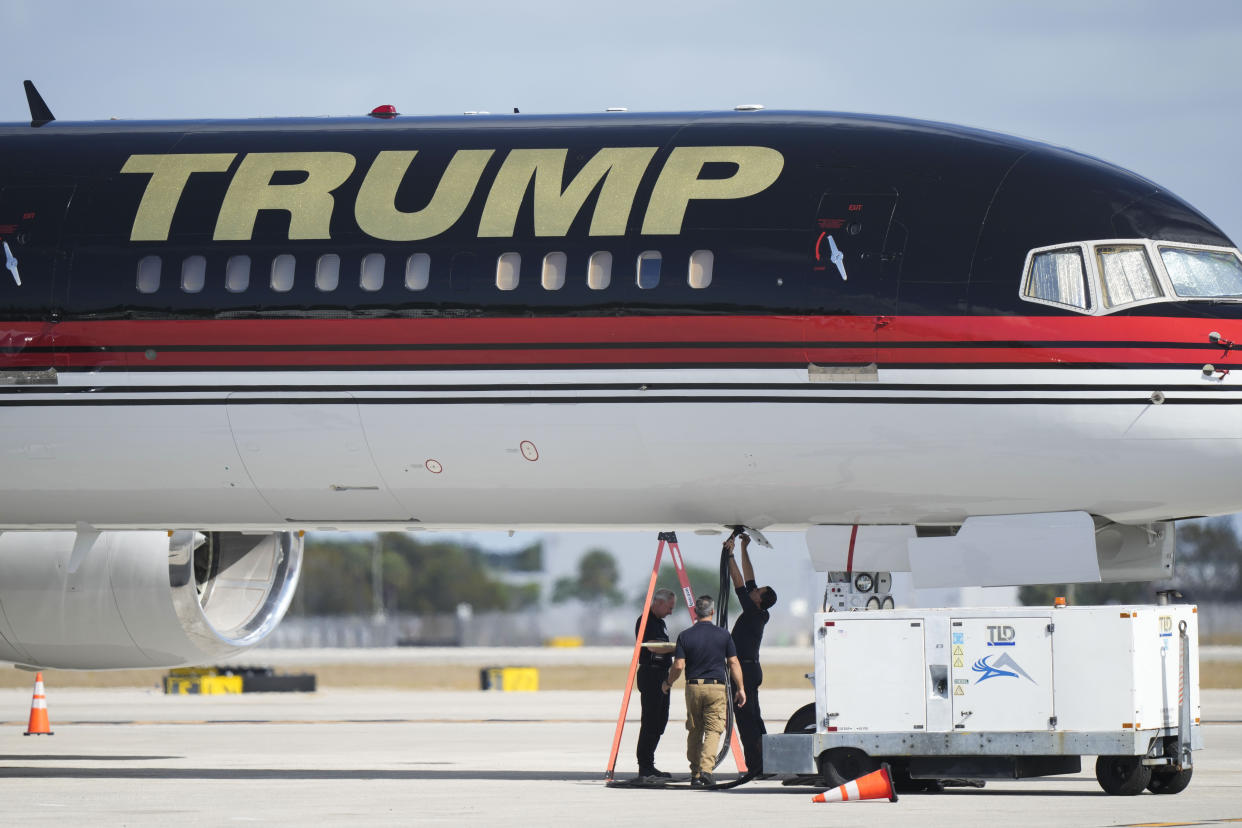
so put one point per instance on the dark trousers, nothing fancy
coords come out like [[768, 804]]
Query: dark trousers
[[749, 719], [655, 713]]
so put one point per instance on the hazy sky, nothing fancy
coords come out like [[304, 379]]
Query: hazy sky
[[1153, 86]]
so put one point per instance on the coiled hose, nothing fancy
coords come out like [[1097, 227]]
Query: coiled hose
[[722, 620]]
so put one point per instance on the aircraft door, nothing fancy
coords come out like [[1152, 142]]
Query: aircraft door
[[32, 261], [310, 460], [855, 259], [854, 241]]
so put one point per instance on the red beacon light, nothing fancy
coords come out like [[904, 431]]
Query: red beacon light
[[384, 111]]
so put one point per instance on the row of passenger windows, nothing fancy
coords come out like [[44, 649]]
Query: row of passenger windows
[[1125, 274], [373, 268]]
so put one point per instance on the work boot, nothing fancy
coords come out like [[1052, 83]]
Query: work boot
[[705, 780]]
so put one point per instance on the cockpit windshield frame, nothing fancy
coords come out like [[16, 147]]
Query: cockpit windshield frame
[[1097, 300]]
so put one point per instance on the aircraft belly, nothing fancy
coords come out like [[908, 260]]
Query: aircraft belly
[[507, 459], [141, 465], [633, 455], [310, 462]]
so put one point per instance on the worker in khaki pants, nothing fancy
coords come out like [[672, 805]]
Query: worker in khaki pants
[[703, 652]]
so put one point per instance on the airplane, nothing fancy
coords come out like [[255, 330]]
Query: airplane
[[928, 346]]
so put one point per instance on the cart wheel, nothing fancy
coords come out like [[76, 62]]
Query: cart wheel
[[841, 765], [803, 720], [1169, 783], [1122, 775]]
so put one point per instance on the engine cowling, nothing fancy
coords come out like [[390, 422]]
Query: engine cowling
[[113, 600]]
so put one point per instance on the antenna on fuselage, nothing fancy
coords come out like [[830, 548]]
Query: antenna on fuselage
[[39, 113]]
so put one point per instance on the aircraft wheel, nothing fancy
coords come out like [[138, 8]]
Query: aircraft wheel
[[841, 765], [1171, 782], [1122, 775], [803, 720]]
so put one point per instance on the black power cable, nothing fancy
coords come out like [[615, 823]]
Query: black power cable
[[722, 620]]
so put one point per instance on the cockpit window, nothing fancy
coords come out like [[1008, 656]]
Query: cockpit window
[[1127, 274], [1059, 276], [1202, 272], [1102, 276]]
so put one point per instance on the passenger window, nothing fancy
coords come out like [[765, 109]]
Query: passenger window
[[1059, 276], [648, 269], [553, 271], [282, 273], [508, 269], [148, 274], [328, 272], [193, 273], [701, 268], [1126, 274], [417, 271], [237, 274], [371, 278], [599, 271]]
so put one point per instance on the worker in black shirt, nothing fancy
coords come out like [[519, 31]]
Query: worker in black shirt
[[747, 636], [704, 651], [653, 667]]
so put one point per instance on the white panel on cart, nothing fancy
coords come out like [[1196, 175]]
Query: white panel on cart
[[888, 656], [1157, 653], [1001, 673]]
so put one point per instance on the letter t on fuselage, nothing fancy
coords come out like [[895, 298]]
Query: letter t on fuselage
[[169, 174]]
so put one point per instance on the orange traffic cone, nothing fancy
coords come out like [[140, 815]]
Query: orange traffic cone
[[875, 785], [39, 725]]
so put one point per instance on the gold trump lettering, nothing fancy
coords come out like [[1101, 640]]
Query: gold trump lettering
[[376, 212], [169, 174], [679, 182], [309, 202], [613, 174], [621, 169]]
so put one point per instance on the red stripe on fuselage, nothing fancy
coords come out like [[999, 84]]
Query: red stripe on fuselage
[[587, 341]]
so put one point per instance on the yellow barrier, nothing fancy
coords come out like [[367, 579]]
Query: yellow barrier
[[564, 641], [202, 685], [509, 679]]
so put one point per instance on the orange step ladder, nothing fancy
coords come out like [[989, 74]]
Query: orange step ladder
[[669, 538]]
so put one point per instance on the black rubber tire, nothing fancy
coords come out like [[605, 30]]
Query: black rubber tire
[[841, 765], [1170, 783], [1122, 775], [803, 720], [903, 782]]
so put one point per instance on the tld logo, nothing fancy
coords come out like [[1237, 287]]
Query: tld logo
[[1001, 636]]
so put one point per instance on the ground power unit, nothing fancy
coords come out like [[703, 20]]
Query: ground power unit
[[970, 694]]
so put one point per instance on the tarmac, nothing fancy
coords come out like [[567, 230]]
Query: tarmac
[[382, 757]]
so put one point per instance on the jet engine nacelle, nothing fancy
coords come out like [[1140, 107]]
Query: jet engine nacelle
[[110, 600]]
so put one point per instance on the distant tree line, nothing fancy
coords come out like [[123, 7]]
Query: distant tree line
[[597, 582], [416, 576]]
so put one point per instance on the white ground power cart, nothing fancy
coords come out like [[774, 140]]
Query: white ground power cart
[[973, 694]]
